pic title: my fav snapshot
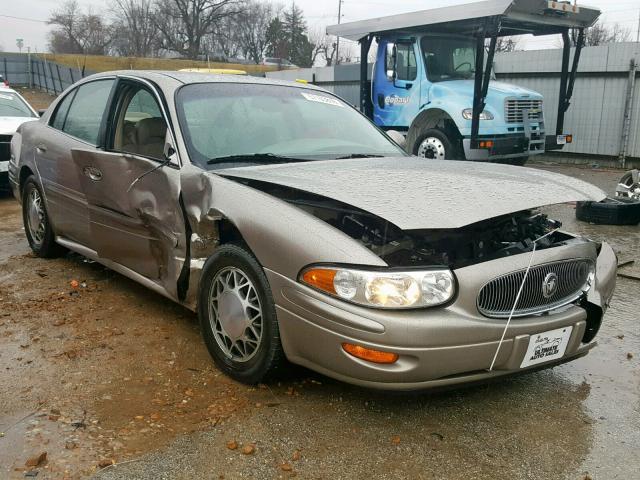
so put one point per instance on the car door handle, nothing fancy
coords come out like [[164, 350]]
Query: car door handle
[[93, 173], [41, 148]]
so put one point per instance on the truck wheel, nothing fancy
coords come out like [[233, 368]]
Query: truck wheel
[[612, 211], [433, 144], [238, 316]]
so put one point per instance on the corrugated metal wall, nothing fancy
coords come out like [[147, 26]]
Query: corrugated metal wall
[[597, 110]]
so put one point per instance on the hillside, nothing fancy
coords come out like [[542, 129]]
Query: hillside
[[103, 64]]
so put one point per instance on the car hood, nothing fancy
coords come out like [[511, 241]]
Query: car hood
[[499, 89], [415, 194], [9, 125]]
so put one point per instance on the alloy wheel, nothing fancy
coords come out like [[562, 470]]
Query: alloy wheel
[[235, 314], [36, 217]]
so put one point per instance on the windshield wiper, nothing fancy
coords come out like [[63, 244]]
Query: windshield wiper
[[255, 158], [359, 155]]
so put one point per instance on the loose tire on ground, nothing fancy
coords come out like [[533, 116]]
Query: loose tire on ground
[[37, 225], [246, 352], [609, 212]]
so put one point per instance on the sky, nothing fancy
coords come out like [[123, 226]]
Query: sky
[[31, 27]]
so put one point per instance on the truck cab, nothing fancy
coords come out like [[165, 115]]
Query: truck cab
[[433, 78], [423, 86]]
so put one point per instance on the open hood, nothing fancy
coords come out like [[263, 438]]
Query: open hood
[[416, 194]]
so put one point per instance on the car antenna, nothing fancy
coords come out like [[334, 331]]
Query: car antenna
[[515, 304]]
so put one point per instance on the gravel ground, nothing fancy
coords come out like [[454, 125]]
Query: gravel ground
[[113, 373]]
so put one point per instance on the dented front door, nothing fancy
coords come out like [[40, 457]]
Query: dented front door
[[135, 218]]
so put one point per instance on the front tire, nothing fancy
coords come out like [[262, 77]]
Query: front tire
[[433, 144], [238, 316], [37, 224]]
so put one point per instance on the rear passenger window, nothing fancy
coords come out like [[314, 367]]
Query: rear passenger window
[[61, 112], [87, 110]]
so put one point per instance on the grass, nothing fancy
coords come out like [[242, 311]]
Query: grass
[[99, 63]]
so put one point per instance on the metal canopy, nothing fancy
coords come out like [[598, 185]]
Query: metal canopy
[[517, 17]]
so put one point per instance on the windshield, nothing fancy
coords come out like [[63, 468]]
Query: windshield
[[449, 58], [11, 105], [225, 120]]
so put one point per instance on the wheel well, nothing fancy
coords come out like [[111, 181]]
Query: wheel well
[[434, 118], [228, 232], [25, 173]]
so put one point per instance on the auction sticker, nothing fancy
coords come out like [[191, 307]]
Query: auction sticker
[[546, 347], [321, 99]]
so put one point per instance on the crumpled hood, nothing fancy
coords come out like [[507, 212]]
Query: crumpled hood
[[9, 125], [415, 194]]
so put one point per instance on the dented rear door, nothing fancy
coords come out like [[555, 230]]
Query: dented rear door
[[134, 213]]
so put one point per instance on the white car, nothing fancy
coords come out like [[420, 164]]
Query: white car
[[14, 111]]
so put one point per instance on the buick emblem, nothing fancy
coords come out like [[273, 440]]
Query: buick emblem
[[550, 285]]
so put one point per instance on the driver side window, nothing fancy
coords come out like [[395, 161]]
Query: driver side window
[[141, 128]]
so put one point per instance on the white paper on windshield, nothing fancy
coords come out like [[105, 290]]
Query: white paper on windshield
[[322, 99], [6, 97]]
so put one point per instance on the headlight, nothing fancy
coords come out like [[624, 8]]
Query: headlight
[[467, 114], [383, 289]]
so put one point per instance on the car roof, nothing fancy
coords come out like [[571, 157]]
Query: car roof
[[5, 89], [187, 78]]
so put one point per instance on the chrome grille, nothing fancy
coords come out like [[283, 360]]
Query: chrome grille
[[514, 110], [497, 297]]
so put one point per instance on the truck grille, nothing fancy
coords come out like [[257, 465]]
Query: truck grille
[[496, 298], [514, 110], [5, 147]]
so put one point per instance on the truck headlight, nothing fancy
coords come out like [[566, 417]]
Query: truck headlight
[[467, 114], [383, 289]]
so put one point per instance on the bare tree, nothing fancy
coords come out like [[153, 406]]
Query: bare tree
[[252, 28], [601, 34], [78, 32], [136, 32], [183, 24], [506, 44], [325, 46]]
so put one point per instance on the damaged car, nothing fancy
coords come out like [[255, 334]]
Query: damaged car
[[300, 232]]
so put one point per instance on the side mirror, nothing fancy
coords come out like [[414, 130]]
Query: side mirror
[[169, 151]]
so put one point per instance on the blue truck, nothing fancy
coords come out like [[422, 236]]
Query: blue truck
[[433, 80]]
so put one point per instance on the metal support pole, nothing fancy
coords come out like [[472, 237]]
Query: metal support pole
[[628, 113], [478, 99], [366, 107], [59, 78], [53, 80], [44, 74], [338, 40], [6, 76], [562, 103], [29, 67]]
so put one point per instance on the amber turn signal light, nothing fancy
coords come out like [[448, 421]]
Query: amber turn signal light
[[569, 138], [488, 144], [320, 278], [373, 356]]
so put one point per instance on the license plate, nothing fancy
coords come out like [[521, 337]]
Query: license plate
[[4, 167], [562, 139], [547, 347]]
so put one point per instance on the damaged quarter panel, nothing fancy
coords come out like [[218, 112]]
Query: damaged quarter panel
[[282, 237]]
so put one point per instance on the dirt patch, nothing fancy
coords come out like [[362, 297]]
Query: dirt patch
[[113, 370], [38, 99]]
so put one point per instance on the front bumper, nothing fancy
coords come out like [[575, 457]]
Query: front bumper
[[437, 348]]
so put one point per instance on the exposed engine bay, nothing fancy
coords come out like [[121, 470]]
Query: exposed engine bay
[[499, 237]]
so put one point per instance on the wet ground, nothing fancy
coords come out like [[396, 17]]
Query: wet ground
[[113, 381]]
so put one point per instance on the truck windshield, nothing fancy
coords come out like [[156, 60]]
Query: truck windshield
[[225, 123], [449, 58]]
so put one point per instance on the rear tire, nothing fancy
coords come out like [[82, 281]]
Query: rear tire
[[37, 225], [238, 316], [610, 212]]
